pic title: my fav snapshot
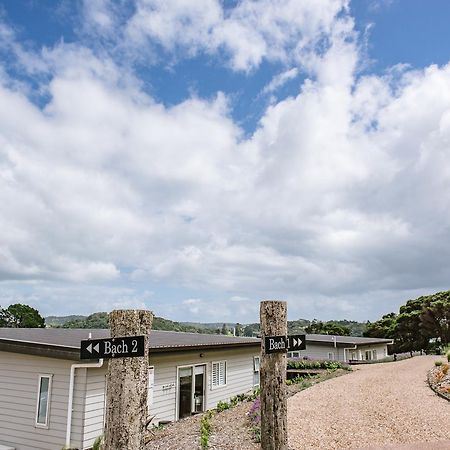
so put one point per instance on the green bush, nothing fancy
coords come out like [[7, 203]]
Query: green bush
[[448, 356], [205, 430], [98, 442], [438, 363], [307, 364], [222, 406]]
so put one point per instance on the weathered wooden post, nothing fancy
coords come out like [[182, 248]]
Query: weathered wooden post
[[273, 322], [127, 385]]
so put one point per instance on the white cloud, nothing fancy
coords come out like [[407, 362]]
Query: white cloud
[[339, 200], [248, 33], [280, 79]]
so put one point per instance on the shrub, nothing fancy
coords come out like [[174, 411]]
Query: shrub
[[98, 443], [222, 406], [438, 363], [205, 430], [448, 356], [254, 416], [316, 365]]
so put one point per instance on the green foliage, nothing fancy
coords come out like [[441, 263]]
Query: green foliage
[[94, 321], [205, 429], [307, 364], [438, 363], [317, 327], [422, 323], [448, 356], [98, 442], [222, 406], [21, 316], [100, 320]]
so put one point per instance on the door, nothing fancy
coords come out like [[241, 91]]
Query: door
[[199, 388], [185, 392], [191, 390]]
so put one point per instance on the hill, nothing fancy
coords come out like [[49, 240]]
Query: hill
[[100, 320]]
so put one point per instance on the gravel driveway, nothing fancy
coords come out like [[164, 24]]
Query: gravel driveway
[[373, 407]]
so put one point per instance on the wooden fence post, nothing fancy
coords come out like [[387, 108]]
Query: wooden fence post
[[127, 385], [273, 322]]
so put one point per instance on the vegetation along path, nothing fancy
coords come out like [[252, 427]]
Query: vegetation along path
[[377, 405]]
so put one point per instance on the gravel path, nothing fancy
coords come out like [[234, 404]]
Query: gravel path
[[376, 405]]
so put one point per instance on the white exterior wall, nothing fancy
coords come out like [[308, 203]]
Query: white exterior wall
[[320, 351], [19, 375], [381, 350], [239, 377], [94, 409], [164, 406]]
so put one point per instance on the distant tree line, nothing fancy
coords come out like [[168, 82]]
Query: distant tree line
[[422, 323], [337, 327]]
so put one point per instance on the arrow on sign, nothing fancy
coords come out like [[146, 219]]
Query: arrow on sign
[[297, 342], [89, 348]]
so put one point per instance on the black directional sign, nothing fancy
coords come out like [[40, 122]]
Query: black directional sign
[[283, 344], [119, 347], [296, 342], [275, 344]]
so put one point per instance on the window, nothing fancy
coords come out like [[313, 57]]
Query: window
[[43, 400], [374, 353], [218, 374], [256, 365], [331, 356]]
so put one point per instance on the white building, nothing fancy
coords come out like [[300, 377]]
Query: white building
[[41, 375], [49, 398], [343, 348]]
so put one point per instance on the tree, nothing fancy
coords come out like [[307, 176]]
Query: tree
[[383, 328], [318, 327], [21, 316], [224, 329], [435, 317]]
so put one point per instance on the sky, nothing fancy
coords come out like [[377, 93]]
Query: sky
[[195, 158]]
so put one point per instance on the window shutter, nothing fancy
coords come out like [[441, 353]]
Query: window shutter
[[222, 374], [219, 374]]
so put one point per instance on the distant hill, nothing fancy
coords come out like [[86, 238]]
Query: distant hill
[[100, 320], [57, 321]]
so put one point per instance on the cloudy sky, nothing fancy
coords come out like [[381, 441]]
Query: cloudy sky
[[195, 158]]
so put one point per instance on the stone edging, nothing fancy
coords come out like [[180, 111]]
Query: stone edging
[[436, 391]]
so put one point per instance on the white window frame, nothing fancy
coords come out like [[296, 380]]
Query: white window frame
[[150, 388], [256, 370], [49, 398], [218, 386], [333, 356]]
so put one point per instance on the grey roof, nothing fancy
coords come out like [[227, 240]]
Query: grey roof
[[64, 342]]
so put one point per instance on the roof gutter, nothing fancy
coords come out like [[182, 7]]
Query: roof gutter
[[71, 389]]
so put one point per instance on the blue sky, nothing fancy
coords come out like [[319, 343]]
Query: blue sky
[[196, 158]]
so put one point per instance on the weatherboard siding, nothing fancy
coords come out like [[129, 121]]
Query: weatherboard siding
[[19, 376], [163, 407], [239, 377], [317, 351], [94, 408], [321, 351]]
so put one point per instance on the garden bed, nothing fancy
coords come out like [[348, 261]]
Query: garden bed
[[439, 380]]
